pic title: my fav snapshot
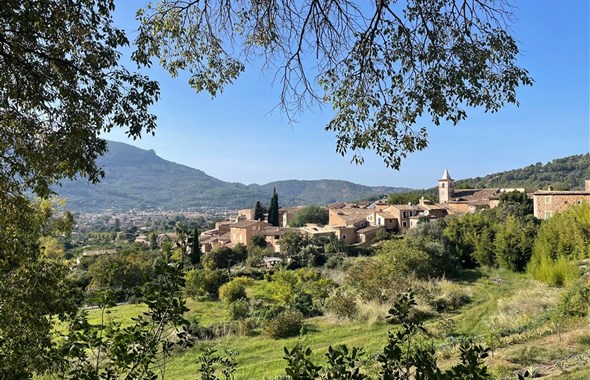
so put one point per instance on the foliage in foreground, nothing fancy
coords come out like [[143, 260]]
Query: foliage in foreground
[[139, 351]]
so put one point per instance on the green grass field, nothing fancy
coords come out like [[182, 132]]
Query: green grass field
[[501, 300]]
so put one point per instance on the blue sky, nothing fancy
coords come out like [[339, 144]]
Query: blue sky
[[237, 137]]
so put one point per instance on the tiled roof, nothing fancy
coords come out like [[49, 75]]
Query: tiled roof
[[353, 215], [405, 207], [385, 214], [473, 196], [271, 231], [370, 229], [246, 223]]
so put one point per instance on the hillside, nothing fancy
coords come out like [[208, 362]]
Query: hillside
[[137, 178], [566, 173], [561, 173]]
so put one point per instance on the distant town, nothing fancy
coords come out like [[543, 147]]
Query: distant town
[[359, 224]]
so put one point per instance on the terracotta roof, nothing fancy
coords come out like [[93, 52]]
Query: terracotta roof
[[432, 207], [385, 214], [473, 196], [353, 215], [370, 229], [317, 229], [405, 207], [246, 223], [271, 231], [335, 206]]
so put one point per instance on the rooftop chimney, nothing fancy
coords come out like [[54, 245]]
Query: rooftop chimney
[[587, 185]]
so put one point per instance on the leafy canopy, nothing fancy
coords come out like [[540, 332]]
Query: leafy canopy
[[383, 66], [61, 86]]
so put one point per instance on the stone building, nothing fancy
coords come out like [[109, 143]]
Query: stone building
[[548, 202]]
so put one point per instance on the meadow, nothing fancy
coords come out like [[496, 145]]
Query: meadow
[[511, 313]]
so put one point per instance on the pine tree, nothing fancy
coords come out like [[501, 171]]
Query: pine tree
[[258, 211], [273, 209]]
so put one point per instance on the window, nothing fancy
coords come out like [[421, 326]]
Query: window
[[343, 237], [442, 185], [548, 199], [404, 224], [548, 214], [403, 214]]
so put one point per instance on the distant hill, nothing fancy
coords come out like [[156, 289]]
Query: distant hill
[[566, 173], [139, 179]]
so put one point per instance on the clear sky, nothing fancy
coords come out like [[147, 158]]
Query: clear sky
[[236, 137]]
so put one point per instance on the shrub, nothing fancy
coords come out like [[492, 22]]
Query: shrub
[[406, 258], [284, 325], [205, 282], [303, 302], [234, 290], [342, 304], [239, 309], [555, 273], [222, 329], [334, 262], [262, 308], [576, 301]]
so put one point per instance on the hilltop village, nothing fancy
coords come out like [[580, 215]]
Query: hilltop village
[[358, 224]]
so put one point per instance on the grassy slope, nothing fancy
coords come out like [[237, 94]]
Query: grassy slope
[[500, 299]]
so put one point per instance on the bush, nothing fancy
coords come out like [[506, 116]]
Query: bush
[[239, 309], [284, 325], [576, 301], [334, 262], [555, 273], [342, 304], [205, 282], [406, 258], [234, 290], [303, 302]]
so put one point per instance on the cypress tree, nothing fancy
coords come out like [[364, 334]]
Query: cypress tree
[[258, 211], [273, 209], [195, 256]]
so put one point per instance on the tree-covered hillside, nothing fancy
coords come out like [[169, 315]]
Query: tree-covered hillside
[[137, 178], [561, 173]]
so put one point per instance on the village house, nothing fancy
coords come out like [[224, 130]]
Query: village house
[[272, 235], [241, 232], [213, 239], [548, 202]]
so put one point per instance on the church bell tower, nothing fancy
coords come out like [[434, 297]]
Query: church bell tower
[[445, 187]]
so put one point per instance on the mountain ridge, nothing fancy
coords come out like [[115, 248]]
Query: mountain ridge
[[140, 179]]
